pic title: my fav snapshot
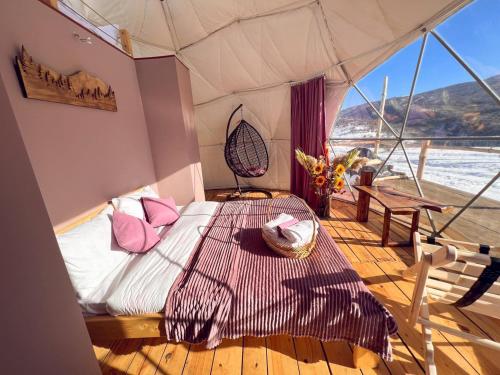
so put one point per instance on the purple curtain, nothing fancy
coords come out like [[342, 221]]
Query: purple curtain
[[308, 133]]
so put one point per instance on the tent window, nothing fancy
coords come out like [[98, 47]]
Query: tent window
[[447, 141]]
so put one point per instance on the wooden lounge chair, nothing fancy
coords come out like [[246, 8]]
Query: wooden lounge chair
[[455, 273]]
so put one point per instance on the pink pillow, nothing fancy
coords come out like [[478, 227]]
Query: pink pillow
[[133, 234], [160, 211]]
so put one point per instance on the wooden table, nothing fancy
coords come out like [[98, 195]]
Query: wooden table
[[394, 203]]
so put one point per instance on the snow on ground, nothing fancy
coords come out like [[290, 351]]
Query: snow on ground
[[463, 170]]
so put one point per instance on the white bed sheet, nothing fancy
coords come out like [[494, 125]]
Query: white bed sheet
[[144, 282]]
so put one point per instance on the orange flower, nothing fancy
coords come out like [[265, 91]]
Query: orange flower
[[339, 184], [319, 181], [318, 168], [340, 169]]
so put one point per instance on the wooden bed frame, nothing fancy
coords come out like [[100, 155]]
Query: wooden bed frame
[[107, 327]]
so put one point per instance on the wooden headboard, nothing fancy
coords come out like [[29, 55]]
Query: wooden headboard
[[86, 216], [80, 219]]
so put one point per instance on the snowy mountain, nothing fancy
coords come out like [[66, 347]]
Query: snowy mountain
[[463, 109]]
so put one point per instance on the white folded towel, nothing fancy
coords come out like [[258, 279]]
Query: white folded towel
[[271, 227], [300, 233]]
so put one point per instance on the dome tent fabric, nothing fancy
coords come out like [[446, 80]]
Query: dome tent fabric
[[241, 51]]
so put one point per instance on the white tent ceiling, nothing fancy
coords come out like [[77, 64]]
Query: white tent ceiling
[[250, 51]]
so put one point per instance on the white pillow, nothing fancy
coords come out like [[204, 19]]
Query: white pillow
[[92, 257], [147, 191], [130, 204]]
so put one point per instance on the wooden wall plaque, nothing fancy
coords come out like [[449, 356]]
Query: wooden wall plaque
[[81, 88]]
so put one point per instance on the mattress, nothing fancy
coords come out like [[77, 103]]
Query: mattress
[[141, 285]]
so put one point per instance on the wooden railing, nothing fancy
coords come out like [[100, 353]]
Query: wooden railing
[[427, 144]]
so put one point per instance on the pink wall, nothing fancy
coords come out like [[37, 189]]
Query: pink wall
[[42, 327], [81, 156], [168, 106], [58, 161]]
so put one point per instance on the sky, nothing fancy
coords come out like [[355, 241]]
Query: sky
[[474, 32]]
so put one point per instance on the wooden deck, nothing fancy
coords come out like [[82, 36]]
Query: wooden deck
[[381, 270], [479, 223]]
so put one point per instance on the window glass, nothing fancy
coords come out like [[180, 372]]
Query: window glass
[[357, 119], [474, 33], [448, 102], [451, 137]]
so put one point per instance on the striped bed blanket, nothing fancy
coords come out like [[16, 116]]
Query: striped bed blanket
[[234, 286]]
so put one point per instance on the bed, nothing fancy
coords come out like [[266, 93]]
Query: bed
[[212, 276]]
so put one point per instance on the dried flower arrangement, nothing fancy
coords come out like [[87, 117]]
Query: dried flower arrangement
[[326, 178]]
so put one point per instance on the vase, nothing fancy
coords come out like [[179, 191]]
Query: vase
[[323, 208]]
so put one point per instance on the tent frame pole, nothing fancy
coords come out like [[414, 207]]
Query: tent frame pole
[[414, 83]]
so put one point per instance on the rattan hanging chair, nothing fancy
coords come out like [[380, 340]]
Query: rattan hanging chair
[[246, 154]]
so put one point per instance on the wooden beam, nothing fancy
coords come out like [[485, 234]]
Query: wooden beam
[[105, 327], [126, 41], [366, 179], [422, 160]]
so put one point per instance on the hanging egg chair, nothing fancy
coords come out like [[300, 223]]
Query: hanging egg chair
[[246, 154]]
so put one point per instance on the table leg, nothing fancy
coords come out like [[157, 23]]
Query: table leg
[[363, 207], [414, 224], [387, 227]]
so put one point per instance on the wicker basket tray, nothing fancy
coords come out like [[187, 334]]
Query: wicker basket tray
[[282, 246]]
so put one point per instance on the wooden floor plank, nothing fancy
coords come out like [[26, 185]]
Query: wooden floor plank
[[361, 252], [254, 356], [373, 234], [228, 357], [199, 360], [403, 360], [102, 349], [121, 356], [173, 359], [350, 255], [360, 231], [310, 356], [374, 223], [139, 359], [489, 326], [159, 357], [339, 358], [281, 357]]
